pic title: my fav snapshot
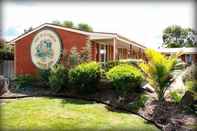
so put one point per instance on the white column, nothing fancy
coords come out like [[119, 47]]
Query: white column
[[114, 49]]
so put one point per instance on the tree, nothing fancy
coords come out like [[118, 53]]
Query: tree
[[6, 51], [159, 71], [176, 36], [56, 22], [28, 30], [85, 27], [68, 24]]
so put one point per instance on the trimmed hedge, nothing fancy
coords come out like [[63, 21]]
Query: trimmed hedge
[[125, 78], [85, 77]]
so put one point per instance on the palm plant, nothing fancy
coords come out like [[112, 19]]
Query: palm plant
[[159, 70]]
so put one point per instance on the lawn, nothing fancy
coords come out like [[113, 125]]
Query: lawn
[[67, 114]]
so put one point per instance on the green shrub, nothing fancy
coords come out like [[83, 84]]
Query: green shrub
[[175, 97], [125, 78], [23, 81], [58, 77], [85, 77], [136, 105], [44, 75]]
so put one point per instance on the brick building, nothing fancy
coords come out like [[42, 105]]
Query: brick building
[[189, 54], [43, 46]]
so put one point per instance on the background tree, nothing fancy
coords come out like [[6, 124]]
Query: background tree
[[68, 24], [6, 51], [85, 27], [176, 36], [28, 30], [56, 22]]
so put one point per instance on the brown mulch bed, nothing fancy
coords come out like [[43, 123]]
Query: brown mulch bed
[[167, 116]]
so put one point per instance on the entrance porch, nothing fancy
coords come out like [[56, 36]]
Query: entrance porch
[[111, 49]]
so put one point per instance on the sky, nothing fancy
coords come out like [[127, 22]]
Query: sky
[[142, 22]]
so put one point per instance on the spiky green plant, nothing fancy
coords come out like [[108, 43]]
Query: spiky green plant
[[159, 70]]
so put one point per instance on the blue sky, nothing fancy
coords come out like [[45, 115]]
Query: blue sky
[[142, 22]]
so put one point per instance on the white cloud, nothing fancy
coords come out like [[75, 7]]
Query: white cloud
[[141, 22]]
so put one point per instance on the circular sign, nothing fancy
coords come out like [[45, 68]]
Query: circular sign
[[45, 49]]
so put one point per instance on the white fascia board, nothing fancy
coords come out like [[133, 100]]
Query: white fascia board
[[53, 26], [130, 43], [92, 34], [99, 37], [175, 50]]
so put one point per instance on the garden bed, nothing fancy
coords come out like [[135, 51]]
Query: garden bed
[[166, 116]]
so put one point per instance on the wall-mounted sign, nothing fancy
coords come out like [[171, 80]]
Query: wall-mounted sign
[[45, 49]]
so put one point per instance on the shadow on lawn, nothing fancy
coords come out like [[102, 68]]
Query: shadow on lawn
[[75, 101]]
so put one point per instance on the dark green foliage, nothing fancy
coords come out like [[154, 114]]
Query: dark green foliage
[[44, 75], [6, 51], [175, 36], [68, 24], [58, 77], [85, 27], [140, 102], [23, 81], [85, 77], [125, 78]]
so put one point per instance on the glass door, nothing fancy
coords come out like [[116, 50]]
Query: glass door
[[103, 53]]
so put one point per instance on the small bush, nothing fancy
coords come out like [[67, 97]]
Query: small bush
[[125, 78], [44, 75], [175, 97], [58, 77], [136, 105], [23, 81], [85, 77]]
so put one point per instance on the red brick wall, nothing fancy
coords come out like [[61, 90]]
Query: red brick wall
[[23, 62]]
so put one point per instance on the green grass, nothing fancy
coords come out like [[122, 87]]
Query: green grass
[[67, 114]]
